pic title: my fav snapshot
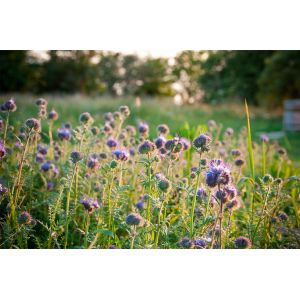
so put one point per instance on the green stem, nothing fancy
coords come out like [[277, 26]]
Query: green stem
[[87, 225], [5, 128], [68, 208], [193, 207]]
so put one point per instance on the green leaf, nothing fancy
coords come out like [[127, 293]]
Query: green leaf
[[105, 232]]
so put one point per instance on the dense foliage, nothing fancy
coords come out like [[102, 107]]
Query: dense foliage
[[111, 186], [263, 77]]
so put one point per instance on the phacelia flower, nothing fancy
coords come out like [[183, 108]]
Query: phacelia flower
[[39, 158], [9, 105], [46, 166], [93, 163], [89, 204], [163, 183], [42, 149], [146, 147], [3, 190], [86, 118], [163, 129], [2, 149], [212, 123], [121, 155], [242, 243], [53, 115], [41, 102], [64, 134], [199, 243], [229, 132], [76, 156], [25, 218], [233, 204], [140, 205], [186, 243], [236, 152], [201, 194], [239, 162], [217, 174], [50, 185], [160, 142], [143, 128], [135, 219], [186, 143], [124, 110], [283, 216], [33, 124], [112, 143], [264, 138], [202, 142]]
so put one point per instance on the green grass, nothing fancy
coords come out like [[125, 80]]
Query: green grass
[[157, 111]]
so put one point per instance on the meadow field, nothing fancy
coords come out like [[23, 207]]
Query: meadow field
[[81, 172]]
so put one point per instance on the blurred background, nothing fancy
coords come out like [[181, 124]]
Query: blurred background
[[173, 88]]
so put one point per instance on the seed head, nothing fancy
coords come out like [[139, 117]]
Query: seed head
[[86, 118], [146, 147], [33, 124], [53, 115], [9, 105], [163, 129], [242, 243], [135, 219], [76, 156], [24, 218]]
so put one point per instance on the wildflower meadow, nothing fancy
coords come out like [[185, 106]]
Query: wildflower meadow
[[110, 184]]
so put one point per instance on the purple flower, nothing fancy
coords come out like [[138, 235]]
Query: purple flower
[[112, 143], [146, 147], [143, 128], [217, 174], [199, 243], [264, 138], [24, 218], [121, 155], [140, 205], [64, 134], [229, 131], [134, 219], [9, 105], [186, 143], [93, 163], [50, 185], [202, 142], [160, 142], [46, 166], [89, 204], [242, 243], [3, 190], [201, 194], [2, 149], [163, 129], [39, 158], [53, 115], [42, 149]]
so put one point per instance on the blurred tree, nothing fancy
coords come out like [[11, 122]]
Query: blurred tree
[[280, 78], [187, 69], [232, 75], [13, 70]]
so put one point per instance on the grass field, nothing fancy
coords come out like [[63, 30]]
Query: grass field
[[154, 111]]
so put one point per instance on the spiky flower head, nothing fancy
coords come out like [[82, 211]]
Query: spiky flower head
[[33, 124], [242, 243], [268, 179], [112, 143], [163, 129], [42, 149], [233, 204], [41, 102], [160, 142], [163, 183], [64, 134], [53, 115], [135, 219], [124, 110], [143, 128], [264, 138], [93, 163], [186, 143], [76, 156], [25, 218], [146, 147], [9, 105], [186, 243], [217, 174], [3, 190], [229, 131], [239, 162], [121, 154], [199, 243], [2, 149], [236, 152], [86, 118], [283, 216], [89, 204], [202, 142], [201, 194]]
